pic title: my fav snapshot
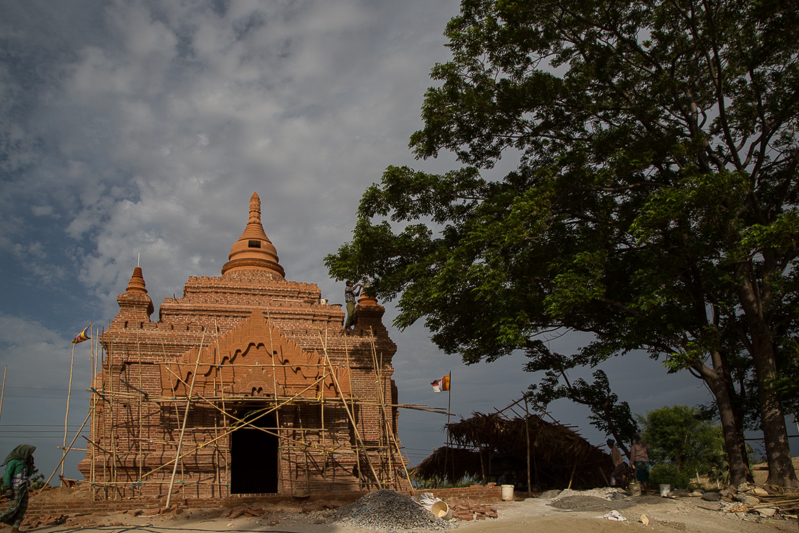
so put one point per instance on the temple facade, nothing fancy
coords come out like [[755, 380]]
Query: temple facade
[[247, 384]]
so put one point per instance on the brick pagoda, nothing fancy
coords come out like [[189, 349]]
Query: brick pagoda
[[282, 399]]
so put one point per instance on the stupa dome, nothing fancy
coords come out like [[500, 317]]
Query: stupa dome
[[254, 250]]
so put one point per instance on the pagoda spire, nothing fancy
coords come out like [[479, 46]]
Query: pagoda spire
[[254, 250]]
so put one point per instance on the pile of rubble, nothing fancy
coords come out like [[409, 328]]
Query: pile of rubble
[[47, 521], [765, 501], [387, 510]]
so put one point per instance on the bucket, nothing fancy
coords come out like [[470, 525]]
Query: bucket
[[635, 488], [665, 490], [507, 493], [441, 510]]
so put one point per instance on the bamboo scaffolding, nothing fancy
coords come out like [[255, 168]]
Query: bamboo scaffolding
[[392, 436], [317, 443], [352, 419], [349, 377], [70, 446], [379, 387], [185, 419], [246, 423]]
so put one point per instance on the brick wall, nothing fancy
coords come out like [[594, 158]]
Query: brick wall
[[476, 493]]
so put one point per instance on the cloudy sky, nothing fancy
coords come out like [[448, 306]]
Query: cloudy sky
[[136, 127]]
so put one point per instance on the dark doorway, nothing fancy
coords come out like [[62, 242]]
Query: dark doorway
[[253, 458]]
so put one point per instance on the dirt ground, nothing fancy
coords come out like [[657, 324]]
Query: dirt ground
[[585, 515]]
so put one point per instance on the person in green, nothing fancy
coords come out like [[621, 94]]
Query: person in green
[[19, 466]]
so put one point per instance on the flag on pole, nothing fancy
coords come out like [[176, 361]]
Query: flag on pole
[[441, 385], [82, 336]]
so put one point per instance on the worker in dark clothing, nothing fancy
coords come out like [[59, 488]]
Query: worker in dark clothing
[[639, 460], [618, 477], [350, 293]]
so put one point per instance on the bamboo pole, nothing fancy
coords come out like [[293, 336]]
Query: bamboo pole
[[217, 478], [379, 387], [112, 408], [141, 406], [3, 391], [66, 416], [185, 419], [217, 364], [527, 433], [390, 430], [349, 377], [102, 419], [92, 405], [352, 420], [280, 479], [64, 456]]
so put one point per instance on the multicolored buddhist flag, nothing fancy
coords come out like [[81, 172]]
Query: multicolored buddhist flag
[[82, 336], [441, 385]]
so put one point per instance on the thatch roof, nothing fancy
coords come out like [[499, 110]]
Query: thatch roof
[[490, 444]]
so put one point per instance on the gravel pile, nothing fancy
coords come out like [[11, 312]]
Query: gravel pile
[[584, 503], [387, 510], [606, 493]]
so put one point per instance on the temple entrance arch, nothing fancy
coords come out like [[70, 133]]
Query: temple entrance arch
[[254, 456]]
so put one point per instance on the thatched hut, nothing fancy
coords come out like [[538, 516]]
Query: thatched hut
[[486, 446]]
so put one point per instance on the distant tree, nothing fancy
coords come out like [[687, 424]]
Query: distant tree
[[680, 435], [653, 203]]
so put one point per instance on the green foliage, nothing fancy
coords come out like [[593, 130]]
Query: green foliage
[[668, 474], [680, 436], [654, 199], [36, 479], [421, 483]]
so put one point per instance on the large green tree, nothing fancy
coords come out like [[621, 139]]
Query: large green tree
[[652, 203], [681, 436]]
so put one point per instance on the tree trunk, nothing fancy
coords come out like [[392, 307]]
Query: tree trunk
[[775, 433], [755, 301], [733, 437]]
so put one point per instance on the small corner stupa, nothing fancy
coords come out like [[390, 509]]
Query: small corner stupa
[[282, 399]]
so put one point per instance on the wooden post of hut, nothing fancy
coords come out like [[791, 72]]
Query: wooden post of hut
[[527, 432]]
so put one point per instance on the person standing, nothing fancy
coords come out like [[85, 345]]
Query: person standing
[[619, 475], [350, 293], [19, 467], [639, 460]]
